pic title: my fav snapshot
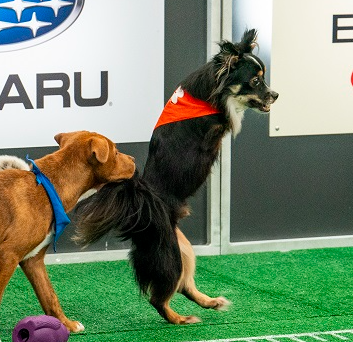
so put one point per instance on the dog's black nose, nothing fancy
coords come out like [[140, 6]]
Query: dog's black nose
[[271, 96], [274, 95]]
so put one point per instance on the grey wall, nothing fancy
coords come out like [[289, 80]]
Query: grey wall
[[290, 187], [185, 51]]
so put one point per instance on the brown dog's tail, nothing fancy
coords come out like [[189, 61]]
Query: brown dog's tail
[[134, 212]]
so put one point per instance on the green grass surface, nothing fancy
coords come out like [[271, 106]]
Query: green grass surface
[[272, 293]]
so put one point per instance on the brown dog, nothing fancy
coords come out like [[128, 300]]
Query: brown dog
[[85, 160]]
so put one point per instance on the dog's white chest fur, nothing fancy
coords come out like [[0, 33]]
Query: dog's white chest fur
[[48, 239], [236, 114]]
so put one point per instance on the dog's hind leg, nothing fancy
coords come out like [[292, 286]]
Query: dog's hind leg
[[8, 263], [158, 268], [160, 300], [34, 269], [187, 283]]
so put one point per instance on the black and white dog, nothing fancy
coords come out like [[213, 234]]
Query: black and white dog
[[185, 144]]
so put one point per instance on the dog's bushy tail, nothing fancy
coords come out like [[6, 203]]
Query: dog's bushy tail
[[12, 162], [134, 212]]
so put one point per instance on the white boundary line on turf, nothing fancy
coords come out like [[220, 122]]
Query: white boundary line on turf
[[293, 337]]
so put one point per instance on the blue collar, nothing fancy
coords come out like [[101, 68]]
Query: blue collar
[[60, 217]]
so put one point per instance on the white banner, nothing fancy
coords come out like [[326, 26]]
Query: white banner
[[71, 65], [312, 67]]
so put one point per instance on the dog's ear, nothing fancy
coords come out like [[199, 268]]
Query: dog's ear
[[229, 54], [248, 41], [62, 138], [59, 138], [226, 59], [236, 50], [228, 48], [99, 149]]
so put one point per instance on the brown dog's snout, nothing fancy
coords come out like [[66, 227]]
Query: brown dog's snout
[[126, 165], [127, 158]]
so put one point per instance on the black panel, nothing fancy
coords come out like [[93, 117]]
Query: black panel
[[290, 187], [185, 51], [185, 40]]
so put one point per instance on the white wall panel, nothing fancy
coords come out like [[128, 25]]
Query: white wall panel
[[123, 38], [311, 72]]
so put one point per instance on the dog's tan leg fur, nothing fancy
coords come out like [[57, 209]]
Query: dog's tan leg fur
[[168, 314], [35, 270], [187, 283], [187, 287]]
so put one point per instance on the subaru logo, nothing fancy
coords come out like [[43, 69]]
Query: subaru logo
[[24, 23]]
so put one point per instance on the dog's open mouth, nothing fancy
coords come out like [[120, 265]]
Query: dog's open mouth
[[263, 107]]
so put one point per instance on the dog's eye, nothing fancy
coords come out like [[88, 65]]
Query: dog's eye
[[255, 82]]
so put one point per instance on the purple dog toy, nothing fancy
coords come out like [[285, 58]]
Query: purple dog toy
[[40, 329]]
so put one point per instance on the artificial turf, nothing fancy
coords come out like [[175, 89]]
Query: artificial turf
[[272, 293]]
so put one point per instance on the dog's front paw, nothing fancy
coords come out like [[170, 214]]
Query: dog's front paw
[[221, 304], [192, 320], [74, 326], [80, 327]]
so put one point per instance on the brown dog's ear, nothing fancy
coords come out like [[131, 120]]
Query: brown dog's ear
[[59, 137], [100, 149], [63, 138]]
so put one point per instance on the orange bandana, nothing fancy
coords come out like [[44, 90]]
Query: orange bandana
[[183, 106]]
